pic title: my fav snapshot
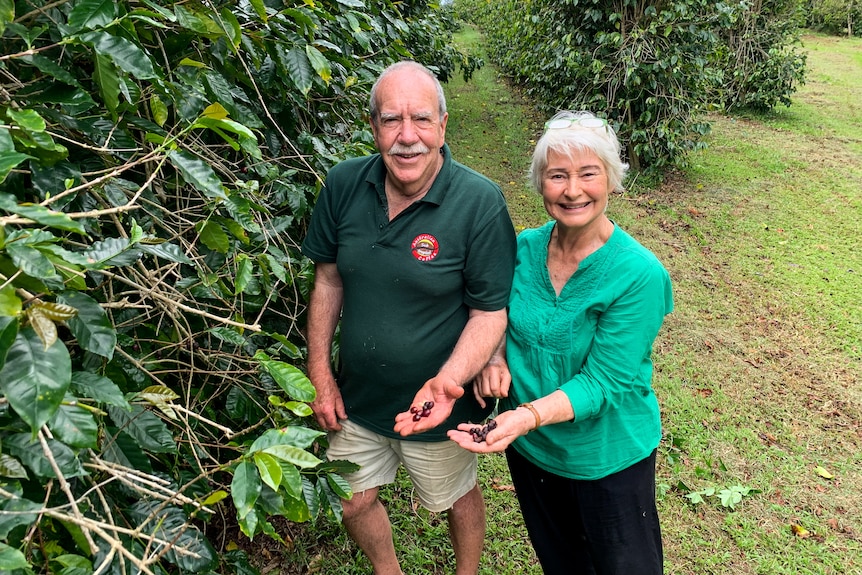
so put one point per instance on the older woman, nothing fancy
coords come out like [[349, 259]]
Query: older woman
[[578, 419]]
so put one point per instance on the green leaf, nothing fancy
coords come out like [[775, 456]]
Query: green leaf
[[50, 67], [31, 454], [149, 431], [159, 110], [91, 14], [230, 26], [7, 14], [91, 326], [166, 251], [198, 173], [8, 161], [189, 549], [319, 63], [330, 501], [247, 139], [244, 272], [291, 480], [228, 335], [105, 75], [111, 252], [339, 485], [100, 388], [259, 8], [245, 488], [214, 237], [28, 120], [196, 21], [240, 210], [277, 268], [294, 455], [299, 70], [125, 54], [11, 467], [8, 331], [293, 435], [11, 558], [121, 449], [41, 215], [269, 469], [31, 261], [18, 512], [297, 510], [290, 378], [10, 303], [35, 379], [74, 425]]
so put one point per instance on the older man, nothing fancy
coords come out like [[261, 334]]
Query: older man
[[414, 255]]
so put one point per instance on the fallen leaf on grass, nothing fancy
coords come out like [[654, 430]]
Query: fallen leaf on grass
[[800, 531], [823, 472]]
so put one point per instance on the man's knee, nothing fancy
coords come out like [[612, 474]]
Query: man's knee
[[359, 503]]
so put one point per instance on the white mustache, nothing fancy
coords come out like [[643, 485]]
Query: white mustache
[[398, 149]]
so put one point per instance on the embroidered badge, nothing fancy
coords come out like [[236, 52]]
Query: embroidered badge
[[425, 247]]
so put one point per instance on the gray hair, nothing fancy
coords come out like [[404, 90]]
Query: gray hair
[[576, 139], [372, 100]]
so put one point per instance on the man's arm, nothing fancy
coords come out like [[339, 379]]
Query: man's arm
[[478, 340], [324, 312]]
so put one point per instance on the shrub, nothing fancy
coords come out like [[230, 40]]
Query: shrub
[[158, 161]]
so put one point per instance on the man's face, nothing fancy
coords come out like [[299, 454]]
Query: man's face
[[408, 130]]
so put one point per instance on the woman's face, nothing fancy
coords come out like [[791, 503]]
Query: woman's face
[[575, 188]]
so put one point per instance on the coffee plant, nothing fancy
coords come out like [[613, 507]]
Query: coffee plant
[[758, 55], [651, 68], [839, 17], [158, 161]]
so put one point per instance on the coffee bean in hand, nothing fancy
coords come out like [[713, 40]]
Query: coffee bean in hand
[[479, 433], [420, 412]]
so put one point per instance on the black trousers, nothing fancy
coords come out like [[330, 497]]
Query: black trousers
[[607, 526]]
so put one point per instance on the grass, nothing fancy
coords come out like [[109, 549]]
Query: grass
[[758, 368]]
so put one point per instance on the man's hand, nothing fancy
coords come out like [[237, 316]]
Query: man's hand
[[440, 390], [328, 406]]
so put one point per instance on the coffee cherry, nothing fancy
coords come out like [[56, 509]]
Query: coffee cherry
[[479, 433], [420, 412]]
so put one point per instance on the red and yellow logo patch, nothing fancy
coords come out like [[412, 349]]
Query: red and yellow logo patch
[[425, 247]]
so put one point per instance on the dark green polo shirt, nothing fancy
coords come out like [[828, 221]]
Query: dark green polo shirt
[[409, 283]]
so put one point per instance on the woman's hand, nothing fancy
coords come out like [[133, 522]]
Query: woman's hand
[[493, 381], [509, 426]]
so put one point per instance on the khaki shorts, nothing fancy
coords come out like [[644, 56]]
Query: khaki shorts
[[442, 472]]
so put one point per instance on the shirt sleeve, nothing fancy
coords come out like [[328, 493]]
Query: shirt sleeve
[[491, 263], [619, 361], [321, 241]]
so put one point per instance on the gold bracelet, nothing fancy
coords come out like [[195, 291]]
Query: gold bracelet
[[529, 406]]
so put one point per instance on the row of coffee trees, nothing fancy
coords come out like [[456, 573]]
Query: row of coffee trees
[[158, 161], [653, 69]]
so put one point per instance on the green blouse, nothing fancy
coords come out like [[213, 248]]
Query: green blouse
[[594, 343]]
